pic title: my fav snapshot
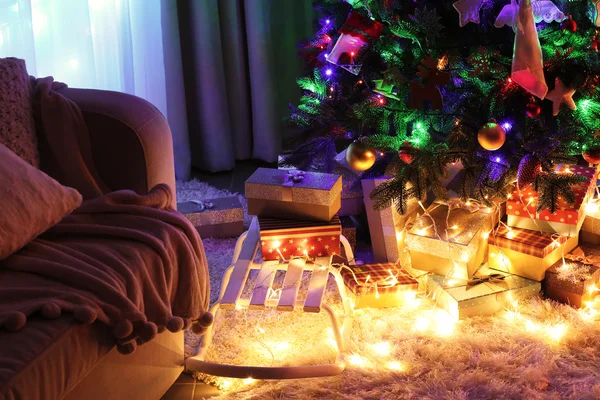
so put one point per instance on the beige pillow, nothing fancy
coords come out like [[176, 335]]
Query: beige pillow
[[17, 126], [30, 202]]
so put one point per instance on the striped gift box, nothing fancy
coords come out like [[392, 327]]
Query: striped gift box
[[384, 274], [524, 241], [289, 238]]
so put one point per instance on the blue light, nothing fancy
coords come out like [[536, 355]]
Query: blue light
[[327, 21], [507, 126], [328, 72], [498, 159]]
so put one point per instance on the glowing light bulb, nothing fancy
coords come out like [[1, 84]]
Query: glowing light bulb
[[485, 235], [395, 366], [592, 208], [357, 360], [507, 126], [422, 232], [382, 348], [556, 332], [510, 234], [249, 381], [328, 72], [276, 244], [498, 159], [509, 80], [421, 324], [226, 384], [352, 54], [327, 21], [399, 235], [454, 227]]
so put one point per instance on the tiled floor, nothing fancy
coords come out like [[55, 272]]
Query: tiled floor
[[187, 388]]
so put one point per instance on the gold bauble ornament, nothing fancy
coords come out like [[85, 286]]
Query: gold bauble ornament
[[360, 157], [491, 136]]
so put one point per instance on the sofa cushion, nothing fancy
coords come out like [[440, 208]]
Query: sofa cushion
[[31, 202], [17, 126]]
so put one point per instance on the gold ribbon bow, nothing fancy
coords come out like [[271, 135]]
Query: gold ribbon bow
[[491, 278], [579, 256]]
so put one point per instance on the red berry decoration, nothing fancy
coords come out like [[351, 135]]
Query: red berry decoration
[[407, 152], [533, 109], [569, 25], [529, 169], [592, 155]]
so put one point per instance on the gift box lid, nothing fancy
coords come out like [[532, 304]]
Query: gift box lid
[[470, 295], [389, 278], [276, 184], [524, 241], [524, 203], [579, 271], [212, 211]]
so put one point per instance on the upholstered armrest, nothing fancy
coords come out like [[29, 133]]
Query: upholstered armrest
[[131, 140]]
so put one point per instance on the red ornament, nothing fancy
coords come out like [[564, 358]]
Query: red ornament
[[407, 152], [595, 44], [529, 169], [533, 109], [569, 25], [432, 77], [592, 155]]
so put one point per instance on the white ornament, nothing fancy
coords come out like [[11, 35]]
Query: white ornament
[[543, 10]]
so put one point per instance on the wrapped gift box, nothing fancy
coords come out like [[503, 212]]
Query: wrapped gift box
[[349, 227], [379, 285], [463, 298], [352, 194], [527, 253], [385, 226], [293, 238], [294, 194], [590, 229], [567, 219], [219, 218], [574, 280], [462, 244]]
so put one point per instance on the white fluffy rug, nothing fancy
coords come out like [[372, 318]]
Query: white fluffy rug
[[538, 350]]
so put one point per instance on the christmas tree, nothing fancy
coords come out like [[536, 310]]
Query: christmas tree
[[507, 89]]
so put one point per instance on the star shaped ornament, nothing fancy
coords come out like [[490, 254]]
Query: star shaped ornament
[[560, 95], [468, 11]]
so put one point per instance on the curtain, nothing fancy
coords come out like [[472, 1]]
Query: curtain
[[240, 67], [221, 71], [130, 46]]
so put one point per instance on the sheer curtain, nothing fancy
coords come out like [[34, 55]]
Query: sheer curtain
[[129, 46]]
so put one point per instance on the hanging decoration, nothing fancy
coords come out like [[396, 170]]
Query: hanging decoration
[[491, 136], [529, 169], [595, 11], [527, 65], [595, 43], [358, 34], [468, 11], [569, 25], [359, 157], [561, 94], [430, 92], [407, 152], [390, 84], [592, 155], [542, 11], [533, 109]]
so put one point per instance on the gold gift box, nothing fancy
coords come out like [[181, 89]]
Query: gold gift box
[[526, 253], [590, 229], [386, 226], [271, 193], [459, 250], [461, 300]]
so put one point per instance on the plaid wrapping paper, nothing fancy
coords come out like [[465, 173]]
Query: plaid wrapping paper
[[377, 273], [294, 237], [520, 206], [524, 241]]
